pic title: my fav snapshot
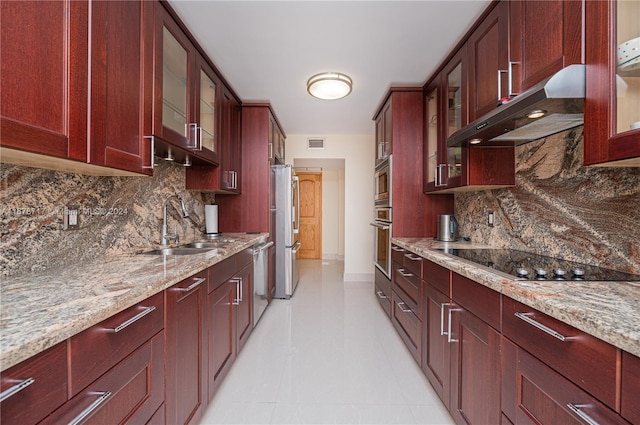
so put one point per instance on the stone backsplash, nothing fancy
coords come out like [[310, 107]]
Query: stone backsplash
[[560, 208], [117, 215]]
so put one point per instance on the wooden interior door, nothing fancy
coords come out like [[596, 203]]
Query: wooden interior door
[[310, 215]]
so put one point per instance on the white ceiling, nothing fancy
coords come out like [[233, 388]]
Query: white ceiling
[[267, 50]]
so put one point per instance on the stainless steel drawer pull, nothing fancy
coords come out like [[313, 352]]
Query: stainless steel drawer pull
[[404, 309], [413, 257], [575, 408], [380, 226], [21, 385], [93, 406], [194, 285], [543, 328], [449, 332], [442, 332], [397, 249], [134, 319], [381, 295], [402, 272], [238, 281]]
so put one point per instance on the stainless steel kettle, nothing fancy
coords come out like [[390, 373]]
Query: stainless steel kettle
[[447, 228]]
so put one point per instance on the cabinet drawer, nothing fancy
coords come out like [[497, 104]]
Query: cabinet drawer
[[99, 348], [408, 325], [243, 258], [133, 390], [437, 276], [383, 299], [630, 387], [543, 396], [47, 390], [221, 272], [582, 358], [407, 282], [413, 262], [383, 283], [483, 302], [397, 254]]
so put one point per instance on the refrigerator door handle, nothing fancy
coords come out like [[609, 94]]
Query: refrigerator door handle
[[296, 247], [296, 206]]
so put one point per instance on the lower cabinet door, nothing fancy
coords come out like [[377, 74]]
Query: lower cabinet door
[[222, 336], [435, 349], [534, 393], [244, 307], [131, 391], [475, 369], [630, 387], [185, 331], [35, 387]]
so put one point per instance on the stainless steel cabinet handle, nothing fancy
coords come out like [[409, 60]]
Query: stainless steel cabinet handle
[[397, 249], [192, 135], [441, 179], [543, 328], [194, 285], [200, 138], [575, 408], [134, 319], [102, 396], [238, 281], [21, 385], [270, 150], [449, 332], [402, 272], [153, 153], [442, 332], [381, 295], [379, 226], [404, 309], [413, 257], [500, 72], [511, 63]]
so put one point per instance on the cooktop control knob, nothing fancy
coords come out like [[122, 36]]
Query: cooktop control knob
[[559, 273], [541, 273], [522, 272]]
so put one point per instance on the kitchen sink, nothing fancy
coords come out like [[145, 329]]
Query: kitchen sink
[[181, 250], [206, 245]]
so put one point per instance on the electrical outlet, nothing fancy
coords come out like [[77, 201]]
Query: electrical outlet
[[491, 218], [71, 218]]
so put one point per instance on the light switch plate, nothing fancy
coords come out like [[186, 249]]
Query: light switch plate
[[71, 218]]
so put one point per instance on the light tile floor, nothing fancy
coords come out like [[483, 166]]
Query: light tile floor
[[327, 356]]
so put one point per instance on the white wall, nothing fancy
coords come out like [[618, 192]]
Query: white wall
[[358, 152], [333, 213]]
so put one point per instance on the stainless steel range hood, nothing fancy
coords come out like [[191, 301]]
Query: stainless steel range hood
[[560, 97]]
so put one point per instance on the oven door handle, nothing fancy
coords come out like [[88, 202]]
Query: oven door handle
[[380, 225]]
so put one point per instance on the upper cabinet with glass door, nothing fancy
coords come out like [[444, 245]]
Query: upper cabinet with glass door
[[612, 111], [206, 130]]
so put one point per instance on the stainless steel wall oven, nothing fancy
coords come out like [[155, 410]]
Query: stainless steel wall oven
[[382, 240]]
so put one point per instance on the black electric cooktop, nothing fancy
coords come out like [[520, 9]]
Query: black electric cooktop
[[527, 266]]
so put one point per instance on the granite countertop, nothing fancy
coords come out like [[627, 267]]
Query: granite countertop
[[43, 309], [606, 310]]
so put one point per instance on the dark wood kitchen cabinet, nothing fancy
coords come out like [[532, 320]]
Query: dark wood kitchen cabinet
[[630, 408], [230, 292], [474, 335], [612, 116], [37, 386], [453, 169], [533, 393], [186, 350], [44, 86], [384, 132], [46, 50], [545, 36]]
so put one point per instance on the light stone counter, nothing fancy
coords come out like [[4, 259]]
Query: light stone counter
[[606, 310], [39, 310]]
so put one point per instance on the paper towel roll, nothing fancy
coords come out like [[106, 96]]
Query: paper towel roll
[[211, 218]]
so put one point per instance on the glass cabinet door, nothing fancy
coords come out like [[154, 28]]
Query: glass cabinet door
[[628, 66], [432, 127], [454, 118], [207, 112], [174, 84]]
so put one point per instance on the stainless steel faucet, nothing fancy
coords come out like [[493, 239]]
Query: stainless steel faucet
[[166, 238]]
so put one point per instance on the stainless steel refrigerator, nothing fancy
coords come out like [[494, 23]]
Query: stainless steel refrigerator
[[285, 211]]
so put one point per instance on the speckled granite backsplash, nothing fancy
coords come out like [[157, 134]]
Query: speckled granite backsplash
[[560, 208], [117, 215]]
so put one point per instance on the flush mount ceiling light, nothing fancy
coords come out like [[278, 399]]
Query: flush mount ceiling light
[[329, 85]]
